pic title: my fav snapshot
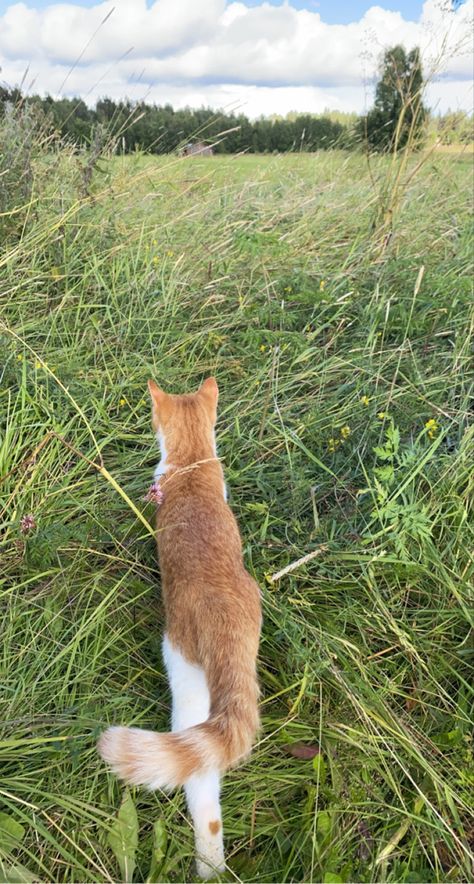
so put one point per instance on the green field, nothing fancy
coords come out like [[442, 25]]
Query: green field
[[333, 302]]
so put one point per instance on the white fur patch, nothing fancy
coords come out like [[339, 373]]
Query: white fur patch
[[191, 702], [191, 705], [224, 487], [161, 468]]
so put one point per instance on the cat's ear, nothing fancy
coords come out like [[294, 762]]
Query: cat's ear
[[158, 399], [209, 393], [209, 390], [157, 395]]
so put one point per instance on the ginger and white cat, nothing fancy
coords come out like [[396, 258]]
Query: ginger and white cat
[[213, 622]]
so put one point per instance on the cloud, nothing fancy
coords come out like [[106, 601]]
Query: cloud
[[268, 58]]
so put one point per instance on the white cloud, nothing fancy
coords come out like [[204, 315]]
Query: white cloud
[[265, 58]]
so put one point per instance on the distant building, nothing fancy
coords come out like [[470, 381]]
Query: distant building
[[197, 148]]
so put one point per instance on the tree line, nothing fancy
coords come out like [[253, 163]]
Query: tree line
[[162, 129], [397, 118]]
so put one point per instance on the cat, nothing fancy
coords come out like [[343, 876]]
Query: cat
[[213, 620]]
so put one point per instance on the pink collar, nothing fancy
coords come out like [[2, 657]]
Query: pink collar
[[154, 494]]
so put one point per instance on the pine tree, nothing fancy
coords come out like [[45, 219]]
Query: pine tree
[[398, 113]]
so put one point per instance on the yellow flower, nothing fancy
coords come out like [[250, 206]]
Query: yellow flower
[[169, 253], [288, 288], [262, 348], [381, 415], [365, 400], [333, 444], [38, 364], [20, 357], [432, 427], [345, 432], [122, 402], [155, 260], [322, 285], [155, 242]]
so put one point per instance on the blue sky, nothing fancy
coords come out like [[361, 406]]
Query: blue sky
[[345, 11], [332, 11]]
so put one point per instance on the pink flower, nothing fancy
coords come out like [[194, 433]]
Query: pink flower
[[154, 494], [27, 524]]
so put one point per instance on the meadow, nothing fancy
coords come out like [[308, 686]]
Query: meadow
[[332, 299]]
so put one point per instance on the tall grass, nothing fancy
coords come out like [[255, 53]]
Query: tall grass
[[346, 394]]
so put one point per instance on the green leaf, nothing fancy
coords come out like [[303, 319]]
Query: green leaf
[[319, 767], [11, 834], [16, 874], [160, 840], [394, 841], [383, 453], [386, 473], [393, 435], [123, 837], [323, 823]]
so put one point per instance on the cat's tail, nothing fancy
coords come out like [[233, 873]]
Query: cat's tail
[[167, 760]]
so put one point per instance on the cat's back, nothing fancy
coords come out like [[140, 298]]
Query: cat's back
[[197, 532]]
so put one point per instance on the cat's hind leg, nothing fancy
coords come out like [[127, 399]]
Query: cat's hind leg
[[202, 795], [191, 704]]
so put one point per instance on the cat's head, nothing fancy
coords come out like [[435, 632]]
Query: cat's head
[[185, 422]]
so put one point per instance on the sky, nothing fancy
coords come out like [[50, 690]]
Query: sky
[[257, 56]]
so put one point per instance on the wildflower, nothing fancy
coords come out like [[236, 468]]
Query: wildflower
[[432, 427], [262, 348], [288, 288], [20, 357], [154, 494], [27, 524], [122, 402], [322, 285], [364, 400], [170, 253], [155, 260], [345, 431], [38, 364], [155, 242], [333, 444], [381, 415]]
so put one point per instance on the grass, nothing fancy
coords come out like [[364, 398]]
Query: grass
[[333, 349]]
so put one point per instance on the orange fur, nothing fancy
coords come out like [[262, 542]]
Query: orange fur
[[212, 604]]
